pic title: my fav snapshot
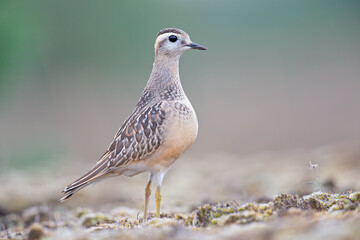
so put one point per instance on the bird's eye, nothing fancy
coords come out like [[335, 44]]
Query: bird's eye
[[173, 38]]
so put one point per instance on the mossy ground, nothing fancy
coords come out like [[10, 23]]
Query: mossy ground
[[216, 196], [45, 223]]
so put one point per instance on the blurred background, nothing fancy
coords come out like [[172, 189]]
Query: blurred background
[[278, 87]]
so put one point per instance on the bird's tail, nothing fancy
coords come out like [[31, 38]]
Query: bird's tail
[[96, 174]]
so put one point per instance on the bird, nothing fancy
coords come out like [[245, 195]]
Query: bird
[[162, 126]]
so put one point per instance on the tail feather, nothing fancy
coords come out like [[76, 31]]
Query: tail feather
[[97, 173], [70, 191]]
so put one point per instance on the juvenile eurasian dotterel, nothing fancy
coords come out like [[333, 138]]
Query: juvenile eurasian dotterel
[[162, 126]]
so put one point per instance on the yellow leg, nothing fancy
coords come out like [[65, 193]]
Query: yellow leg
[[147, 195], [158, 200]]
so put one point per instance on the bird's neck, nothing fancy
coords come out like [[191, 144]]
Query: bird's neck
[[165, 73]]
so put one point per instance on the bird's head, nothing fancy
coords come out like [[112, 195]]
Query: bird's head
[[173, 42]]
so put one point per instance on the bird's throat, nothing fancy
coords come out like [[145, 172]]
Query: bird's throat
[[165, 73]]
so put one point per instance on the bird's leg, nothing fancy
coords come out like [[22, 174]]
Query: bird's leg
[[147, 195], [158, 200]]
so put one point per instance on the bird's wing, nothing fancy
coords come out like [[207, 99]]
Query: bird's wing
[[140, 136]]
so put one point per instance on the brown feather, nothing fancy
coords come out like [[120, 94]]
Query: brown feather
[[143, 126]]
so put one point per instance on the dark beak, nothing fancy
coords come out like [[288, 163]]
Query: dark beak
[[196, 46]]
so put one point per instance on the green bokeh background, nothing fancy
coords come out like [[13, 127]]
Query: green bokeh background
[[277, 75]]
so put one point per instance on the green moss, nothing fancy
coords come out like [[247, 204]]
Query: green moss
[[225, 213], [245, 207], [90, 220], [354, 197], [208, 215], [285, 201]]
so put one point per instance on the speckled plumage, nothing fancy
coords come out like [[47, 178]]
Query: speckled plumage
[[162, 126]]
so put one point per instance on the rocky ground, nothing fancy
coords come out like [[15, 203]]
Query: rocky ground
[[218, 196]]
